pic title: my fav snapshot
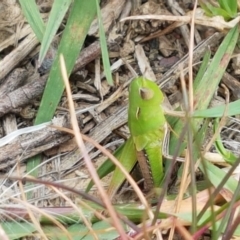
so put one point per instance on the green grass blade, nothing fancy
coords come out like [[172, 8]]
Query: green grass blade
[[219, 111], [127, 157], [229, 6], [107, 167], [219, 12], [203, 67], [72, 40], [228, 156], [56, 16], [211, 79], [214, 73], [126, 154], [103, 43], [80, 18], [32, 14], [205, 8], [203, 93]]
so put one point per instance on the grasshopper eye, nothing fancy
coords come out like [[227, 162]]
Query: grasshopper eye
[[146, 93]]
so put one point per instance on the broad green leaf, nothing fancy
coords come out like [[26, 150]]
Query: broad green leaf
[[17, 230], [233, 7], [77, 231], [103, 229]]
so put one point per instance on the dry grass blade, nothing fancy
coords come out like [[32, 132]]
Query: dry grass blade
[[201, 19], [87, 159]]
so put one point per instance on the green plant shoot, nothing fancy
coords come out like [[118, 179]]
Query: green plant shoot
[[147, 126]]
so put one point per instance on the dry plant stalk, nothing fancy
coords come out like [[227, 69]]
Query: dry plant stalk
[[87, 159]]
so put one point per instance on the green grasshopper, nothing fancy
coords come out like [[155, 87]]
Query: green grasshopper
[[147, 126]]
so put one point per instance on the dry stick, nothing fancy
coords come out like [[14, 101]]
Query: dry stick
[[178, 11], [26, 30], [233, 84], [11, 82], [29, 145], [161, 32], [87, 55], [13, 100], [14, 57], [190, 63], [87, 159]]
